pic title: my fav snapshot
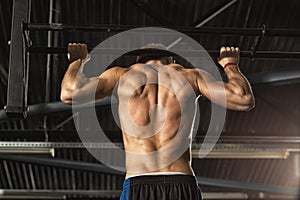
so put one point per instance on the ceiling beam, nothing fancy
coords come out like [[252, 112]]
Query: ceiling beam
[[186, 30], [61, 163], [3, 75], [215, 13]]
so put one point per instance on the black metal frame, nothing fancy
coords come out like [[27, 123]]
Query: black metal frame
[[187, 53], [16, 87], [259, 32], [187, 30]]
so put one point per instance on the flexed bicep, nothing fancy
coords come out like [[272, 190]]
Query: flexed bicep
[[226, 94]]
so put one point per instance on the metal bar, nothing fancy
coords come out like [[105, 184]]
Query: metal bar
[[37, 135], [66, 164], [185, 53], [53, 107], [246, 20], [15, 91], [283, 154], [274, 77], [186, 30], [48, 73], [248, 186], [255, 139], [3, 75], [13, 150], [219, 148], [215, 13]]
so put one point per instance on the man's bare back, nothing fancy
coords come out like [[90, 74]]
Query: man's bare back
[[152, 96], [156, 105]]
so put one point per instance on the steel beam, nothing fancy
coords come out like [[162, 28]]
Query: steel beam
[[187, 30], [286, 141], [53, 107], [275, 77], [216, 12], [15, 92], [66, 164], [219, 147], [185, 53], [3, 75]]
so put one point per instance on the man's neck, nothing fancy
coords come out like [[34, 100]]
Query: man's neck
[[154, 62]]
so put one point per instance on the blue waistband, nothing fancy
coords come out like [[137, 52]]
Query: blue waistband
[[126, 183]]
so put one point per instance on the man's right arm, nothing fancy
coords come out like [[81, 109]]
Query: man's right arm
[[238, 92], [77, 88]]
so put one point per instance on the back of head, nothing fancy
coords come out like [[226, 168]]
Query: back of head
[[155, 46], [154, 56]]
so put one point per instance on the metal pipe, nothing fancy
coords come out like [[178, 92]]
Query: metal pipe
[[66, 164], [227, 5], [283, 154], [273, 77], [47, 87], [53, 107], [186, 30], [18, 150], [185, 53]]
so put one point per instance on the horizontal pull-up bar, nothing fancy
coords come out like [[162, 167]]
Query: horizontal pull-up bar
[[186, 30], [186, 53]]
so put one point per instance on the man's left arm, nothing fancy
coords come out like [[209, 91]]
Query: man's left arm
[[237, 90]]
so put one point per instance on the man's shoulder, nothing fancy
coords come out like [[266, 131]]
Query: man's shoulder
[[183, 70]]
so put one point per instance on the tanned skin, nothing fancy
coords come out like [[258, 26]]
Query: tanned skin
[[76, 88]]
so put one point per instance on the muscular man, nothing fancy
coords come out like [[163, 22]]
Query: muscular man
[[156, 110]]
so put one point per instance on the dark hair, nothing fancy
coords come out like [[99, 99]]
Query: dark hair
[[155, 56], [146, 57]]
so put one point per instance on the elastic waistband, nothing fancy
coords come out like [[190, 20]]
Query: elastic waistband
[[160, 179]]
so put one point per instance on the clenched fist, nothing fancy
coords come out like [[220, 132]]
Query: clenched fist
[[229, 55], [77, 51]]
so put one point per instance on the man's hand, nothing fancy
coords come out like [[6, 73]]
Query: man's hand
[[77, 51], [229, 55]]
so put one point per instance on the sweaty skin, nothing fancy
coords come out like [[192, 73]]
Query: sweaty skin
[[157, 104]]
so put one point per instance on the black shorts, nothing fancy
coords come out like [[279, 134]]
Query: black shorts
[[161, 187]]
